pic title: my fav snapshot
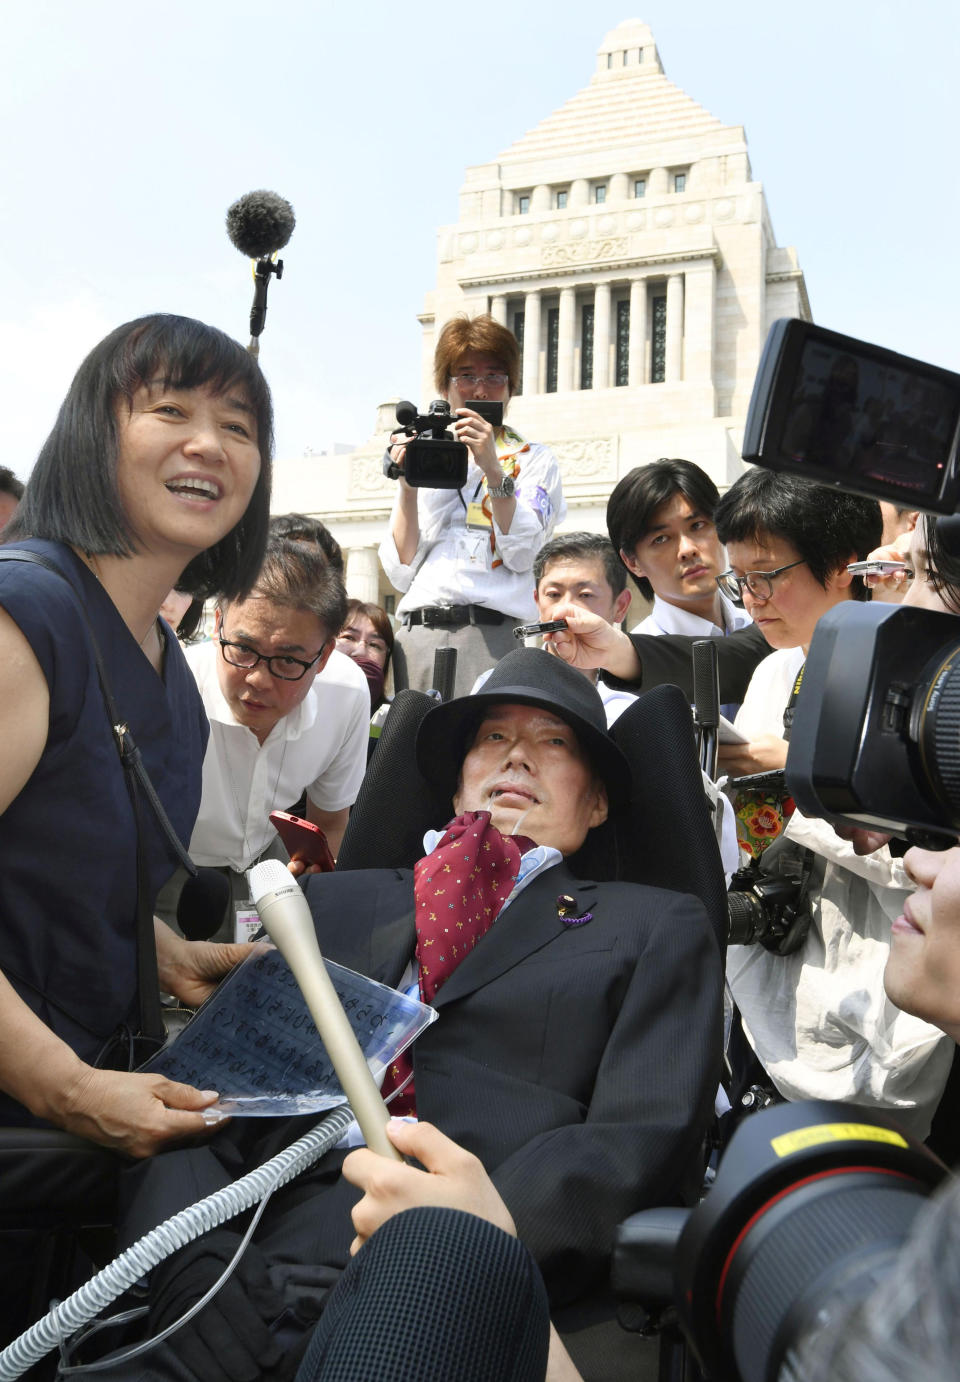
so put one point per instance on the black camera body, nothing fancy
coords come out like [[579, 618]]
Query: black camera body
[[876, 728], [769, 909], [433, 459]]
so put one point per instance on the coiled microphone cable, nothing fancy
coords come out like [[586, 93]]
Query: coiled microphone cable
[[150, 1250]]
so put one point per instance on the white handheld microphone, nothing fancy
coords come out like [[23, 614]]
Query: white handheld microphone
[[286, 917]]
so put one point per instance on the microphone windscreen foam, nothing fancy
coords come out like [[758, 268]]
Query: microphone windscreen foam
[[260, 223], [203, 904]]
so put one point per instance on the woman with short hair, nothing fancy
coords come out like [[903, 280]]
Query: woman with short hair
[[464, 557], [156, 474]]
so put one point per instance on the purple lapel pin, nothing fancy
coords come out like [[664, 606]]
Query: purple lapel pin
[[566, 908]]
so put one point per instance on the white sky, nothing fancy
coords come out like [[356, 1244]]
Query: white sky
[[128, 130]]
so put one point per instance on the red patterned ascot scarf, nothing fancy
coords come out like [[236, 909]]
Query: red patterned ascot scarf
[[459, 890]]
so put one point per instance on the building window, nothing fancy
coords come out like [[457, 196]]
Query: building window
[[658, 363], [389, 603], [553, 347], [639, 55], [562, 200], [679, 182], [623, 343], [609, 59], [639, 187], [517, 328], [586, 346], [523, 204], [600, 193]]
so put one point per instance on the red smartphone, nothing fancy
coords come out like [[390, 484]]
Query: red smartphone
[[303, 840]]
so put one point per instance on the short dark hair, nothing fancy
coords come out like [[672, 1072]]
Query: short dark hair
[[943, 568], [483, 334], [636, 498], [72, 495], [9, 484], [582, 547], [298, 576], [827, 527], [298, 527]]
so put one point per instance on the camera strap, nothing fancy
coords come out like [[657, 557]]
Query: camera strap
[[791, 703]]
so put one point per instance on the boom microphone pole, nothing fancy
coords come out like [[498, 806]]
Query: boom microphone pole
[[259, 225]]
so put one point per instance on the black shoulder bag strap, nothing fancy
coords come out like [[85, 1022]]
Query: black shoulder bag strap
[[151, 1020]]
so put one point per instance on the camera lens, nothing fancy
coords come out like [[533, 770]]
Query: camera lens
[[935, 725]]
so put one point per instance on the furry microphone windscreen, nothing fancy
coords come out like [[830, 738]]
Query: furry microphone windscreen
[[260, 223]]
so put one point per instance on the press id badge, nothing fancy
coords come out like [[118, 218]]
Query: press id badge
[[246, 921], [472, 548], [476, 518]]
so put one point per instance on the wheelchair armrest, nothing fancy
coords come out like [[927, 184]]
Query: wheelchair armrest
[[643, 1253], [52, 1180]]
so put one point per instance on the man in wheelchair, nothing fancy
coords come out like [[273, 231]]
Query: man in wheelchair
[[576, 1052]]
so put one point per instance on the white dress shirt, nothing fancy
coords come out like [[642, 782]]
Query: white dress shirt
[[453, 564], [321, 746], [668, 618]]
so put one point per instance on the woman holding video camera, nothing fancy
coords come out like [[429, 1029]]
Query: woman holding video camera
[[464, 557]]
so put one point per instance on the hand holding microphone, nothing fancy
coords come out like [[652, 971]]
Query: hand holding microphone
[[286, 918]]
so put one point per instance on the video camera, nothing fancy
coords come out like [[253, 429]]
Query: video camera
[[875, 739], [434, 459]]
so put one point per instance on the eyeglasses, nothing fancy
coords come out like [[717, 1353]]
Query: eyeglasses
[[759, 583], [280, 665], [495, 380]]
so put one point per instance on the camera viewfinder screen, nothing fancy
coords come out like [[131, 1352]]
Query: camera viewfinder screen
[[867, 417]]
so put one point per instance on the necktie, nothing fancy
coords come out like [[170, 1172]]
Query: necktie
[[459, 890]]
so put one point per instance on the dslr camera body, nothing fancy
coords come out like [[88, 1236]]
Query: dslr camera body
[[434, 459]]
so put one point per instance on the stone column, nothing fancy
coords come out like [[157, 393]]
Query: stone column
[[531, 344], [363, 575], [540, 200], [498, 308], [601, 336], [638, 332], [618, 187], [699, 313], [579, 193], [673, 364], [566, 334]]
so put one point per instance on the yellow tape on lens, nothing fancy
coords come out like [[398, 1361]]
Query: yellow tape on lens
[[821, 1133]]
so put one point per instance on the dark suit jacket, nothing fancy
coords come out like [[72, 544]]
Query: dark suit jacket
[[668, 657], [579, 1062]]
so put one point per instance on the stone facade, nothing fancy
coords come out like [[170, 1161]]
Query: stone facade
[[626, 243]]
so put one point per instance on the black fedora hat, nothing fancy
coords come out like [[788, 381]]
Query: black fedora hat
[[528, 676]]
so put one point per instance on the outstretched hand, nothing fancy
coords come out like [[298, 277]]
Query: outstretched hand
[[452, 1179], [589, 642], [133, 1113]]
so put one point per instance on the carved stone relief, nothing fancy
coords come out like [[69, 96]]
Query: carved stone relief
[[589, 252]]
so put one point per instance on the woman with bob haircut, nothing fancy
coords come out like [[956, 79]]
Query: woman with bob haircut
[[156, 475], [463, 558]]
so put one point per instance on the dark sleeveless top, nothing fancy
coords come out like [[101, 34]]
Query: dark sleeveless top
[[68, 880]]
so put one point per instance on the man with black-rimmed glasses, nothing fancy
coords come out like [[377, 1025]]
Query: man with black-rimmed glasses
[[287, 712]]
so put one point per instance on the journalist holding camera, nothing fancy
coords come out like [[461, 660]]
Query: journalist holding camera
[[475, 503], [811, 995]]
